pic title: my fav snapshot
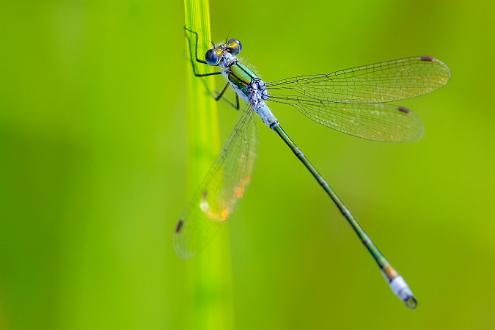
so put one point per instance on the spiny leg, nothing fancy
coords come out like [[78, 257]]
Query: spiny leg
[[219, 96], [196, 56], [197, 37], [197, 59]]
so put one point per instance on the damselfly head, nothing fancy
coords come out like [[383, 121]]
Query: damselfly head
[[214, 55], [234, 46]]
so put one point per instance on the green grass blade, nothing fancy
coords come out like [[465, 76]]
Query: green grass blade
[[209, 273]]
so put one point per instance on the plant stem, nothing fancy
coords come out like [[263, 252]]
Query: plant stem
[[210, 270]]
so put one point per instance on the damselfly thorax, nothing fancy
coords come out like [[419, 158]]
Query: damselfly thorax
[[247, 85]]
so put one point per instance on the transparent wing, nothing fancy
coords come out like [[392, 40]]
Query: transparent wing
[[379, 122], [223, 186], [375, 83]]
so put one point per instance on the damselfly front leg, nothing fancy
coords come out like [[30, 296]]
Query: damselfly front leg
[[194, 57]]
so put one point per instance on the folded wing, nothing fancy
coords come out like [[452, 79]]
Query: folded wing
[[223, 186]]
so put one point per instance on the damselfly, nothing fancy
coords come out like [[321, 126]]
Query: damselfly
[[354, 101]]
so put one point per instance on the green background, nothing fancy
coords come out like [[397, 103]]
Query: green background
[[94, 169]]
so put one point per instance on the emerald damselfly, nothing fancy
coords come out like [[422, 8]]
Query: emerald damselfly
[[354, 101]]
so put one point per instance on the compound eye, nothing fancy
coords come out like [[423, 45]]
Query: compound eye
[[212, 57], [234, 46]]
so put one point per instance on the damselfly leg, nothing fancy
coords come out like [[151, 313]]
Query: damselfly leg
[[193, 57]]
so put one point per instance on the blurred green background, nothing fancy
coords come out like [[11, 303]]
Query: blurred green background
[[93, 169]]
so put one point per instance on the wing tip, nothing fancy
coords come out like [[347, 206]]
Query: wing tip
[[404, 109], [180, 248], [415, 135], [179, 226], [429, 58]]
